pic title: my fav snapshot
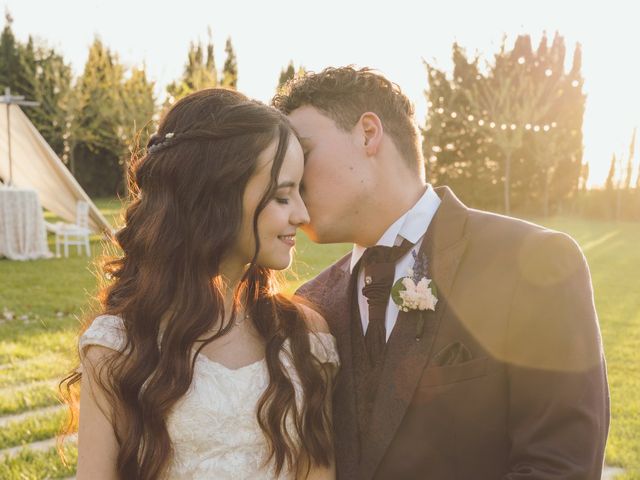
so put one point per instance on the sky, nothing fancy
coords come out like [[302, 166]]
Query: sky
[[394, 37]]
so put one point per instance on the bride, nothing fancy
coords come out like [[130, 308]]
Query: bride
[[197, 367]]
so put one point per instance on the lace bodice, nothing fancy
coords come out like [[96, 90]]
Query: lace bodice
[[213, 427]]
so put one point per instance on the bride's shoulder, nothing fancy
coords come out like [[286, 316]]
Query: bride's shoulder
[[105, 331], [321, 342], [314, 320]]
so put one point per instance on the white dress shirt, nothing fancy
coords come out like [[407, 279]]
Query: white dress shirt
[[411, 226]]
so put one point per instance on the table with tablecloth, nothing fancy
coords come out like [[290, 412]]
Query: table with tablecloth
[[23, 235]]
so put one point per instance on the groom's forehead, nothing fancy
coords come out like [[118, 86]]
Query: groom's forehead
[[308, 119]]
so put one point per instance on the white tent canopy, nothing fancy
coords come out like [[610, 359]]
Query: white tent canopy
[[36, 166]]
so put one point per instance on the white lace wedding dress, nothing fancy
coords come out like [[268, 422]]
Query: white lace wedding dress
[[213, 428]]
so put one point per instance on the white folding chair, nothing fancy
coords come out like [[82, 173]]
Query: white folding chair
[[73, 233]]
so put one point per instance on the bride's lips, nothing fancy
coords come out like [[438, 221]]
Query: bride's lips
[[288, 239]]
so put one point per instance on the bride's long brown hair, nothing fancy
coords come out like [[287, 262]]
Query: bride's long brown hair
[[185, 214]]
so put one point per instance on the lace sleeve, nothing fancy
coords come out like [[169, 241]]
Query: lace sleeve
[[107, 331], [324, 348]]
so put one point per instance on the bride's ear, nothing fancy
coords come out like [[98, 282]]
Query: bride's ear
[[371, 130]]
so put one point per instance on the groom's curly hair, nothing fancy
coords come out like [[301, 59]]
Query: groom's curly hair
[[345, 93]]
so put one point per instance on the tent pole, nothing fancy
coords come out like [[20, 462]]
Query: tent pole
[[9, 145]]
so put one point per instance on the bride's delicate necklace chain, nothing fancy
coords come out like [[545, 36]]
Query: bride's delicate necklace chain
[[239, 320]]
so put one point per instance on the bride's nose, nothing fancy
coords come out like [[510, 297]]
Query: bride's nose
[[300, 215]]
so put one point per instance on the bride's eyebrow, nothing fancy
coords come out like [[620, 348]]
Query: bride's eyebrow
[[287, 184]]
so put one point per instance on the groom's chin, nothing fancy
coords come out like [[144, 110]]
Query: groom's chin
[[318, 235], [313, 234]]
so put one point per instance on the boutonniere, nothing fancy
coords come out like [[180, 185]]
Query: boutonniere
[[416, 292]]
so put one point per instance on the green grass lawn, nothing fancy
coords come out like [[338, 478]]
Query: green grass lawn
[[49, 298]]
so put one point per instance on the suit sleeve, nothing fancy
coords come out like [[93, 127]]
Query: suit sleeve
[[558, 415]]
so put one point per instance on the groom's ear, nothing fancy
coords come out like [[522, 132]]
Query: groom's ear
[[371, 131]]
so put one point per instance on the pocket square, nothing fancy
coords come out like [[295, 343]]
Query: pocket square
[[453, 354]]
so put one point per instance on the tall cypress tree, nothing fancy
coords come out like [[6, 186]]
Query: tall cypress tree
[[584, 176], [98, 140], [47, 81], [138, 107], [25, 76], [10, 64], [629, 172], [230, 69], [288, 73], [138, 116], [610, 183], [199, 72]]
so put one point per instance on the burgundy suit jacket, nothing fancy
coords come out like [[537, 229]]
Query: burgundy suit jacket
[[508, 380]]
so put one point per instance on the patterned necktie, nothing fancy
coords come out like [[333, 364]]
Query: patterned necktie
[[379, 264]]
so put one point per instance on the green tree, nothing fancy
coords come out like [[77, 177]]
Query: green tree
[[48, 79], [584, 177], [24, 81], [288, 73], [506, 124], [610, 183], [230, 69], [512, 100], [113, 116], [138, 122], [10, 64], [456, 152], [561, 170], [138, 106], [199, 72], [629, 172], [97, 137]]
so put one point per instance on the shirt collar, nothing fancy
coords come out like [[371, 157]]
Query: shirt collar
[[411, 226]]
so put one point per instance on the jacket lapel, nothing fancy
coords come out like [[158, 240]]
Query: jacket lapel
[[406, 356], [338, 311]]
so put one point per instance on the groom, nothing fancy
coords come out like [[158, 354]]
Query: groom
[[504, 377]]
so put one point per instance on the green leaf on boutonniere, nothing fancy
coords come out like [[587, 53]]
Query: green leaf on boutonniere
[[395, 291]]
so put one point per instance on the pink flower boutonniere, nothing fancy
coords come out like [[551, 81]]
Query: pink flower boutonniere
[[416, 292]]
